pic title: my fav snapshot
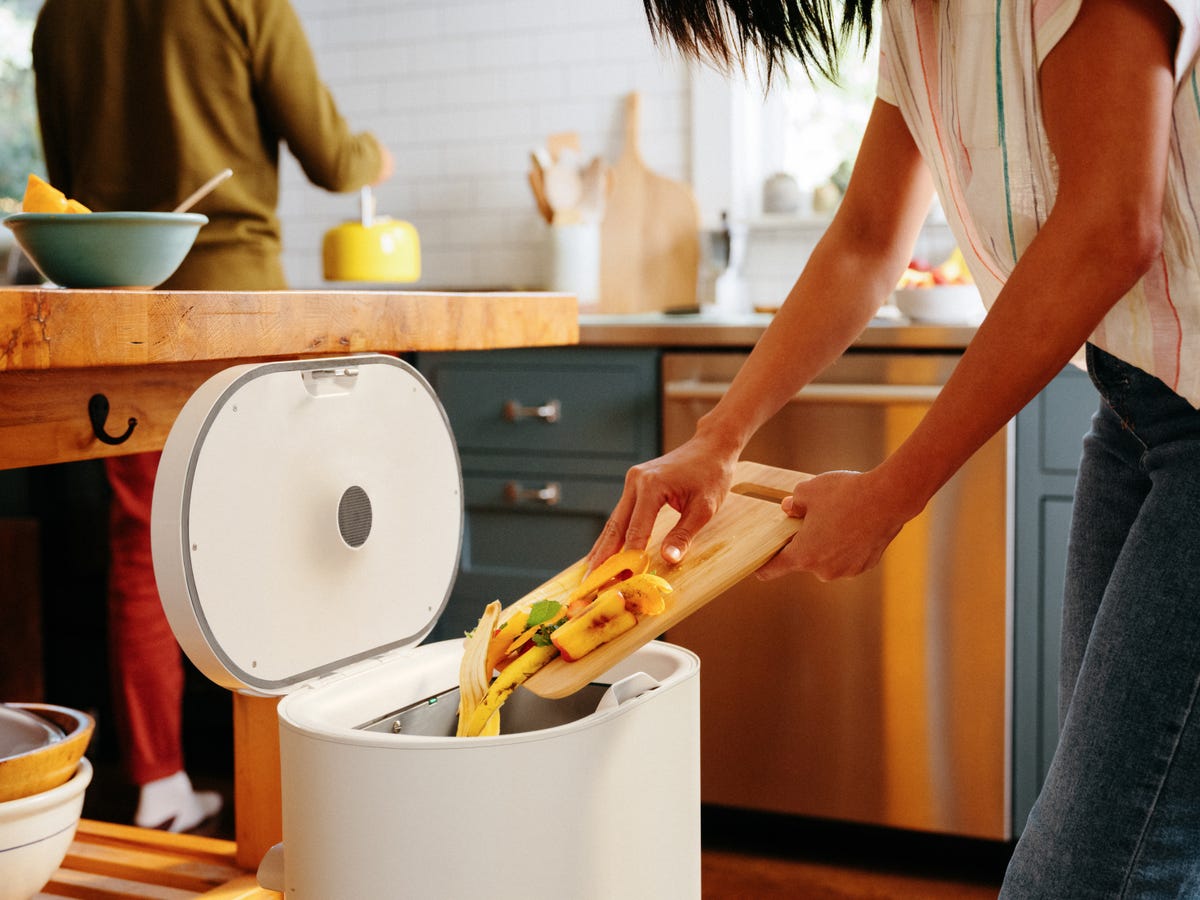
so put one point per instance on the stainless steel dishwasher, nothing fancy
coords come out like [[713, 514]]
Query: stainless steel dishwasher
[[881, 699]]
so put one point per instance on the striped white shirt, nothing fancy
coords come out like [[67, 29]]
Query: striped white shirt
[[964, 74]]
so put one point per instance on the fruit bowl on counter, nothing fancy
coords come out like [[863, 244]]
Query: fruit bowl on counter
[[106, 249], [939, 295], [946, 304], [74, 247]]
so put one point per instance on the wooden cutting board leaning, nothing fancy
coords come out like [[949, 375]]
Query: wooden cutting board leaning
[[747, 530], [650, 235]]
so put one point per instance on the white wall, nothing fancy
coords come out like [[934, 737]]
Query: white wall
[[461, 91]]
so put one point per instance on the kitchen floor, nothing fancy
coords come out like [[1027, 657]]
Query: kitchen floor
[[746, 856]]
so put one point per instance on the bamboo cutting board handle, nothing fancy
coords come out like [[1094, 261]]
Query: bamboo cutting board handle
[[748, 529]]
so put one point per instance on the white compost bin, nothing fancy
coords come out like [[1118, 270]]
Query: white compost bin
[[307, 523]]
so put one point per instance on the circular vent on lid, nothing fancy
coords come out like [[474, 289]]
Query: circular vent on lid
[[354, 516]]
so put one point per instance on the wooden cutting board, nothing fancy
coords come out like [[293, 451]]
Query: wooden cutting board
[[747, 530], [650, 235]]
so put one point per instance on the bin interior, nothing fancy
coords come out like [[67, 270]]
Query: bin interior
[[437, 715]]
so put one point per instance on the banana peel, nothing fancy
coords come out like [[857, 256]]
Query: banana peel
[[473, 676], [513, 676]]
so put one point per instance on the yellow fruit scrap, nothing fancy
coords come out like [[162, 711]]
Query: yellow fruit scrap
[[612, 569], [527, 635], [604, 619], [513, 676], [645, 594], [41, 197], [502, 637], [473, 678]]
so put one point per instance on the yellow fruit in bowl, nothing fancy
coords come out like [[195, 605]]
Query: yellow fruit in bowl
[[42, 197]]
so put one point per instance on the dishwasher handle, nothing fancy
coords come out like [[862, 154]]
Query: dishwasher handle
[[817, 392]]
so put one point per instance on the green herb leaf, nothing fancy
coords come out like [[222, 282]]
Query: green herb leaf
[[542, 611]]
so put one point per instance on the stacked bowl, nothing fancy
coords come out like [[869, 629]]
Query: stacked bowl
[[43, 775]]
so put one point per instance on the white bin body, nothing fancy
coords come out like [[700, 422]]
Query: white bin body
[[306, 530], [605, 807]]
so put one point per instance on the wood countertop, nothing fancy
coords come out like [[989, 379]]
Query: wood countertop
[[145, 352]]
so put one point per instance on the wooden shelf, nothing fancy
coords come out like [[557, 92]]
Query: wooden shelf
[[120, 862]]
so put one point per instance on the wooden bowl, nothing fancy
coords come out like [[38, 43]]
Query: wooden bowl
[[55, 761]]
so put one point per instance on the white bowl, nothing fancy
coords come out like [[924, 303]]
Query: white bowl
[[943, 304], [35, 833]]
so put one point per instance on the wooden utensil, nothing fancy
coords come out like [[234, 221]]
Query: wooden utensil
[[203, 191], [561, 142], [539, 195], [747, 530], [650, 236]]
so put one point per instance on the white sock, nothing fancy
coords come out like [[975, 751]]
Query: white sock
[[172, 804]]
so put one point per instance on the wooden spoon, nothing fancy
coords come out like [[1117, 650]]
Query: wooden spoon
[[203, 191]]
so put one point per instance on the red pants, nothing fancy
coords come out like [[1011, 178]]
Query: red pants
[[144, 656]]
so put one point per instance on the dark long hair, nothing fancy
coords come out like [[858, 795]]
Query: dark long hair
[[728, 32]]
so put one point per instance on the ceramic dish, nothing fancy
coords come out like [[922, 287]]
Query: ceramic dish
[[946, 304], [35, 833], [106, 249]]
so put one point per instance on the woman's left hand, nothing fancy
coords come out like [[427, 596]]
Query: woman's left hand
[[848, 523]]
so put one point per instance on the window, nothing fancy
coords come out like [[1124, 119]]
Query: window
[[808, 129], [814, 129], [20, 145]]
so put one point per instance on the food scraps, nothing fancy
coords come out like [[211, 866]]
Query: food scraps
[[499, 656]]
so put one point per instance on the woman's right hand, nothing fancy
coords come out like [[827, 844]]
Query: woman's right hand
[[692, 479]]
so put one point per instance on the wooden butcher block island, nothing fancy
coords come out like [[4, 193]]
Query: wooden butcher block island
[[145, 352], [94, 373]]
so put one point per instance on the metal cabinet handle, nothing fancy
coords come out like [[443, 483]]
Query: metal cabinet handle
[[547, 412], [819, 392], [549, 494]]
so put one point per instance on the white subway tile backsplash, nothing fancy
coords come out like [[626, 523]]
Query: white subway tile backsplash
[[461, 91]]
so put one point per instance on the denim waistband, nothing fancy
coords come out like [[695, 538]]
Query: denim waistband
[[1141, 400]]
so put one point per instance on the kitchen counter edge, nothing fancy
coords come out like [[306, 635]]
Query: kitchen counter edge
[[707, 330]]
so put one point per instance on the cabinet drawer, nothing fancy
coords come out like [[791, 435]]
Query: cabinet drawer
[[511, 546], [590, 404], [545, 492]]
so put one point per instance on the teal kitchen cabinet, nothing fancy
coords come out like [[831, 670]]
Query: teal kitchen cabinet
[[1049, 435], [544, 437]]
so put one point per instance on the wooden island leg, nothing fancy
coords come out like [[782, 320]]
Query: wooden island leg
[[257, 792]]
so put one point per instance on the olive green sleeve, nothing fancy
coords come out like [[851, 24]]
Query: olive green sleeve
[[297, 106]]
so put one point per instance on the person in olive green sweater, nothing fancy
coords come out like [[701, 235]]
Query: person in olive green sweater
[[140, 102]]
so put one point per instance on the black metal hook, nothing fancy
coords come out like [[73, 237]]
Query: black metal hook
[[98, 414]]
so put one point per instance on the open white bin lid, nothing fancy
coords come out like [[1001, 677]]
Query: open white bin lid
[[306, 515]]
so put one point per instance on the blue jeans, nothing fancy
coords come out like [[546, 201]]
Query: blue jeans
[[1119, 813]]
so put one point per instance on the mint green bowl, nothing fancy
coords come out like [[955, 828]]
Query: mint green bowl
[[106, 249]]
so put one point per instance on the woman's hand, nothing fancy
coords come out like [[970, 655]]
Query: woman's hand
[[849, 520], [693, 479]]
